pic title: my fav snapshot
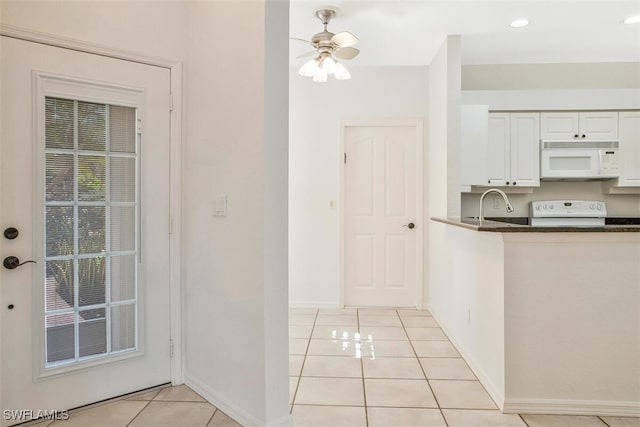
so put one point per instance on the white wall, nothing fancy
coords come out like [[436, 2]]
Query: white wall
[[150, 28], [570, 299], [314, 164], [574, 76], [467, 299], [444, 130], [235, 143], [235, 266], [442, 160]]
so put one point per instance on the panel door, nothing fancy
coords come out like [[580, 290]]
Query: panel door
[[563, 126], [525, 149], [84, 145], [629, 154], [498, 158], [380, 202], [599, 125]]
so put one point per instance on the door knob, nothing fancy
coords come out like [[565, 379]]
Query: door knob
[[410, 226], [12, 262]]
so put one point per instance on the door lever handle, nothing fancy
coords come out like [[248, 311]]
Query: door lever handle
[[12, 262], [410, 226]]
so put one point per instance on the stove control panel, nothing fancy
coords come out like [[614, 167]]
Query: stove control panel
[[568, 209]]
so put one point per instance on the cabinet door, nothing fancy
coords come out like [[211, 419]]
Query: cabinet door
[[560, 126], [629, 153], [498, 153], [599, 125], [473, 148], [525, 149]]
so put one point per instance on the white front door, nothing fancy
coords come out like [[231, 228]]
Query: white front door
[[382, 226], [84, 145]]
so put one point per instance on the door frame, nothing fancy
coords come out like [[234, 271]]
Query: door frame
[[419, 127], [177, 361]]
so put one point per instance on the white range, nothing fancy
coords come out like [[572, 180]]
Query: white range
[[567, 213]]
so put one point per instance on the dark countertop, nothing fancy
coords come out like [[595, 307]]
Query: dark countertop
[[520, 224]]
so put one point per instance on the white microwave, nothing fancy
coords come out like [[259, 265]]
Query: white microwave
[[579, 159]]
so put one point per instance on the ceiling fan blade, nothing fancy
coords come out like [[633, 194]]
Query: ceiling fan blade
[[344, 39], [346, 52], [301, 40], [306, 54]]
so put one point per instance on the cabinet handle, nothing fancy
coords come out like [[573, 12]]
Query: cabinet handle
[[514, 183], [576, 135], [507, 182], [489, 181], [584, 136]]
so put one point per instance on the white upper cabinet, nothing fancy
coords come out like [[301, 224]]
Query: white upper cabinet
[[525, 149], [629, 151], [514, 154], [474, 120], [498, 160], [592, 125]]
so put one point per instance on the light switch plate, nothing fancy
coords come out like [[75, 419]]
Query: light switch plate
[[220, 205]]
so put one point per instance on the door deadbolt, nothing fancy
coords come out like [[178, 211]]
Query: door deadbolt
[[11, 233], [12, 262]]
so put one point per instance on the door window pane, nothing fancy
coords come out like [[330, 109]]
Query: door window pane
[[91, 126], [59, 177], [123, 327], [91, 196], [59, 123], [59, 230], [91, 178], [91, 229], [58, 285], [122, 131], [91, 280], [92, 328], [123, 278]]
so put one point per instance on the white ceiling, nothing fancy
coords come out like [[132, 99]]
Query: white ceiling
[[409, 32]]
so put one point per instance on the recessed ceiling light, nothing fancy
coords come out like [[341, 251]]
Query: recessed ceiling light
[[518, 23], [632, 19]]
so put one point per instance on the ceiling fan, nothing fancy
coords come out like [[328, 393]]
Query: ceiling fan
[[327, 47]]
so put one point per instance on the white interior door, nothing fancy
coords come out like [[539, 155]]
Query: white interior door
[[382, 226], [84, 146]]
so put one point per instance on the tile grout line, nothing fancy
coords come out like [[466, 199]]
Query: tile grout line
[[140, 411], [304, 359], [605, 423], [212, 415], [364, 390], [422, 369]]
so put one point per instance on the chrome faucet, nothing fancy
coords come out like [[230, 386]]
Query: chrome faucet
[[504, 196]]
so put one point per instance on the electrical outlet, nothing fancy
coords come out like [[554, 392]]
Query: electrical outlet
[[332, 204]]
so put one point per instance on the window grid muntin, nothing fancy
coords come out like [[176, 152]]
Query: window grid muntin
[[107, 254]]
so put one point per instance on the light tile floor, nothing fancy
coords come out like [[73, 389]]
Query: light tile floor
[[169, 407], [351, 368], [393, 368]]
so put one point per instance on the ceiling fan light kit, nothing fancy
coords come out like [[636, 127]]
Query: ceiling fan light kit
[[328, 46]]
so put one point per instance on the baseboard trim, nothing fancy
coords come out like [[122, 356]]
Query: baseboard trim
[[572, 407], [238, 414], [492, 389], [307, 304]]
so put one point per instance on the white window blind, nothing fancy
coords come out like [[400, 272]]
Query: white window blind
[[91, 223]]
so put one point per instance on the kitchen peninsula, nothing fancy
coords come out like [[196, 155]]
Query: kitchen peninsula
[[548, 318]]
